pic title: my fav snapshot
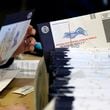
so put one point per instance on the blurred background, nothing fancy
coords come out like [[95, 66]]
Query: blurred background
[[49, 10]]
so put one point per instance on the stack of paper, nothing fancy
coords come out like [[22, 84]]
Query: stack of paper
[[25, 68]]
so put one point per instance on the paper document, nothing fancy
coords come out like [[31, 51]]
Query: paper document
[[90, 77], [6, 76], [90, 30], [25, 68], [24, 90], [12, 34]]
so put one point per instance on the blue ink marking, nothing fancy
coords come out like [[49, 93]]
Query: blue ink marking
[[15, 39], [78, 31]]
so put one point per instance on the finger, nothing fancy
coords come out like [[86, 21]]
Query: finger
[[29, 48], [30, 41], [30, 31]]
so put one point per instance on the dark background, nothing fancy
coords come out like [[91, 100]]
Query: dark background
[[50, 10]]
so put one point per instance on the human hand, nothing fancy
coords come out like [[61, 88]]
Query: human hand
[[27, 43]]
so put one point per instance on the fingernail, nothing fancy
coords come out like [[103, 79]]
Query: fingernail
[[33, 31]]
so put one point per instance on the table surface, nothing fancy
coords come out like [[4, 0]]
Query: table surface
[[7, 97]]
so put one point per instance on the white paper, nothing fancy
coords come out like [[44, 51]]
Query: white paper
[[26, 68], [10, 38], [90, 77], [82, 32], [24, 90], [6, 76]]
